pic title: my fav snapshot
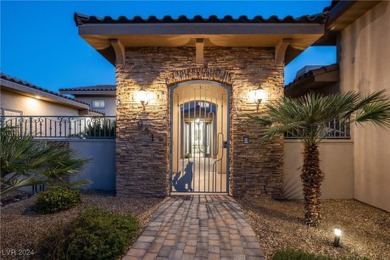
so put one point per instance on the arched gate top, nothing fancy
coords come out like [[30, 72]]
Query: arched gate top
[[211, 74]]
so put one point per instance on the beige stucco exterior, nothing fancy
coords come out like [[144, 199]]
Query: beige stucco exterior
[[365, 67], [336, 161], [30, 106]]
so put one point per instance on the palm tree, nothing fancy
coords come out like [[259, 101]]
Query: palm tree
[[307, 118], [25, 162]]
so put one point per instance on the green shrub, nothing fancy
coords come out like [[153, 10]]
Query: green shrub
[[56, 199], [94, 234], [297, 254]]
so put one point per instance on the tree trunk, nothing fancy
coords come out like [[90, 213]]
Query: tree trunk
[[312, 178]]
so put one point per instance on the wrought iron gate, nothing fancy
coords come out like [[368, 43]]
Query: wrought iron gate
[[199, 137]]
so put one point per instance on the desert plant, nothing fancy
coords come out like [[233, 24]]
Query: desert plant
[[56, 199], [25, 161], [307, 118], [94, 234], [100, 129]]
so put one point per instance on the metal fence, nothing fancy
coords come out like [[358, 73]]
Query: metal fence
[[85, 127], [334, 130]]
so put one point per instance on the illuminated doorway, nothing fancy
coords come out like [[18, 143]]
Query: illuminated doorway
[[199, 137]]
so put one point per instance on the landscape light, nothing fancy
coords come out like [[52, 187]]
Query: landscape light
[[337, 235]]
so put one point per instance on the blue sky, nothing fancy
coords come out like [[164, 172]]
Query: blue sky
[[40, 43]]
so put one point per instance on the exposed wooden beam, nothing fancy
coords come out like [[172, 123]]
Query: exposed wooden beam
[[119, 51], [280, 50], [199, 51]]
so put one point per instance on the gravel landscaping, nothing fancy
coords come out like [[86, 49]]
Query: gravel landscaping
[[278, 224], [21, 227]]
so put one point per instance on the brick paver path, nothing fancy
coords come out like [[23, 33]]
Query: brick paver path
[[197, 227]]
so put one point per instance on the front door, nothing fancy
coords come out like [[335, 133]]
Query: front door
[[199, 137]]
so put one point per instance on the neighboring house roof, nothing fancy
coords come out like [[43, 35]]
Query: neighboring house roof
[[109, 90], [25, 88], [313, 80], [306, 69], [108, 35]]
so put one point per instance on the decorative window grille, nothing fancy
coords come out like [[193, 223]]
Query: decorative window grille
[[335, 129]]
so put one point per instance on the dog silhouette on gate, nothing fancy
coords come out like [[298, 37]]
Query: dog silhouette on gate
[[183, 182]]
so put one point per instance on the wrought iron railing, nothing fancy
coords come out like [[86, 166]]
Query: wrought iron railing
[[85, 127], [334, 130]]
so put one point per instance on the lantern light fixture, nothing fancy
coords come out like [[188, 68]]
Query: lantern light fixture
[[142, 96], [258, 95]]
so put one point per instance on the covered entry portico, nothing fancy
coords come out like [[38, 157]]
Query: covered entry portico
[[199, 137], [200, 72]]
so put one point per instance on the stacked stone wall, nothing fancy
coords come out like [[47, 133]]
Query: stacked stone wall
[[142, 144]]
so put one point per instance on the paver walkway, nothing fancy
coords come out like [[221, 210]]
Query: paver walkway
[[197, 227]]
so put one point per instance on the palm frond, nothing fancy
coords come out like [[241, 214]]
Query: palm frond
[[260, 120], [376, 97], [25, 161], [308, 115], [377, 113], [279, 129]]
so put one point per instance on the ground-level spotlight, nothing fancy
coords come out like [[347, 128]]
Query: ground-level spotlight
[[337, 235]]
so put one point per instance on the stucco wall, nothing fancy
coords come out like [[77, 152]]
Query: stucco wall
[[143, 162], [34, 107], [109, 110], [100, 170], [365, 67], [336, 161]]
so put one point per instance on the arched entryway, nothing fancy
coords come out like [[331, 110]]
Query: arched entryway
[[199, 137]]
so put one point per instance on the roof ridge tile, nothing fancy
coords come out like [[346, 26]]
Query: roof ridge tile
[[81, 19]]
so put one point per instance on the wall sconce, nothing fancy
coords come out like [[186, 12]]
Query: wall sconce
[[142, 96], [257, 96], [337, 235]]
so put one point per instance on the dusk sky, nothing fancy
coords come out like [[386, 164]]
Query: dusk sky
[[40, 42]]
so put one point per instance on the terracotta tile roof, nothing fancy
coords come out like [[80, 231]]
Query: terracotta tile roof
[[324, 80], [29, 85], [81, 19], [92, 88], [313, 73], [96, 112], [331, 6]]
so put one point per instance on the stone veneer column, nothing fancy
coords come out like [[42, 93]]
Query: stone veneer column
[[142, 153]]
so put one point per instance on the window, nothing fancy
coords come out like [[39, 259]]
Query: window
[[10, 112], [98, 103]]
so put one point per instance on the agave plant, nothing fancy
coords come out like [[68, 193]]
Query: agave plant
[[307, 117], [25, 161]]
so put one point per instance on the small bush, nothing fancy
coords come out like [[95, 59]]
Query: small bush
[[94, 234], [57, 199], [297, 254]]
